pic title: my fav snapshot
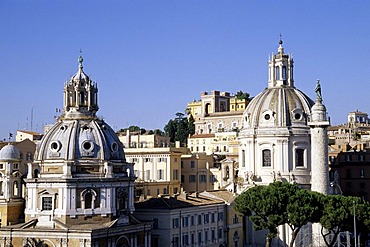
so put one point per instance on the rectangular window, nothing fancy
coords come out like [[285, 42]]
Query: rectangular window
[[299, 157], [175, 174], [213, 235], [206, 236], [192, 220], [15, 166], [192, 164], [199, 219], [175, 159], [212, 178], [147, 174], [221, 216], [160, 174], [199, 237], [348, 157], [192, 238], [185, 221], [47, 203], [182, 178], [219, 234], [175, 223], [206, 218], [362, 173], [185, 239], [191, 178], [266, 157], [203, 178], [175, 241], [213, 217]]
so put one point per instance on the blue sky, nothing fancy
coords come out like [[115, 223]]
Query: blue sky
[[150, 58]]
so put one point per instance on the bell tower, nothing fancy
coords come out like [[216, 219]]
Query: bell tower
[[280, 68]]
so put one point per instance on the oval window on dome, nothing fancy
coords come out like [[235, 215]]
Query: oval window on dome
[[114, 147], [267, 116], [297, 116], [88, 145], [55, 146]]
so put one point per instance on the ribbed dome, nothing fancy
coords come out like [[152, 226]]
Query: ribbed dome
[[78, 134], [9, 153], [278, 107], [80, 140]]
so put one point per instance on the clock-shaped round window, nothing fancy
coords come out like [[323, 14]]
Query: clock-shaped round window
[[267, 116]]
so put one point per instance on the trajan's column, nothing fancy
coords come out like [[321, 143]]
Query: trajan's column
[[319, 123]]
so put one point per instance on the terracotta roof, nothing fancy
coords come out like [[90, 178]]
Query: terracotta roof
[[224, 195], [202, 136]]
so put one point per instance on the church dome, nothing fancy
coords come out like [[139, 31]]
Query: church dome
[[278, 107], [280, 104], [79, 135], [9, 152]]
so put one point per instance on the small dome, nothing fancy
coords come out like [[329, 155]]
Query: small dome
[[9, 152], [278, 107], [80, 75]]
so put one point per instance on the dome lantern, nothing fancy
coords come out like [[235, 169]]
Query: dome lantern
[[280, 69]]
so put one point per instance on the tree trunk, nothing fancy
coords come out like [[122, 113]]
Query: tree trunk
[[294, 236], [268, 242]]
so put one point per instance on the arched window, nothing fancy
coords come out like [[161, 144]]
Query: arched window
[[284, 72], [277, 73], [266, 157], [88, 200], [15, 188], [82, 98]]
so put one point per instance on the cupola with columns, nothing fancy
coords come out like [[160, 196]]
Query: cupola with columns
[[80, 95], [280, 69]]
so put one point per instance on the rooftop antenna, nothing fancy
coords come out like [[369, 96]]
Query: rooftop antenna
[[32, 117]]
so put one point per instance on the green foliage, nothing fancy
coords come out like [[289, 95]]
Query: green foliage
[[338, 216], [282, 203], [179, 128], [266, 206], [241, 95]]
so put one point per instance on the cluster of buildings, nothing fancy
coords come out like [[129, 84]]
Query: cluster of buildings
[[82, 184]]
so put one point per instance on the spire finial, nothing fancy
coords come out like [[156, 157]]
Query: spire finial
[[80, 60], [280, 41]]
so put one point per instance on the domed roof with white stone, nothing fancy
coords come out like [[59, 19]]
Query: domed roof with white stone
[[79, 135], [280, 104], [9, 153]]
